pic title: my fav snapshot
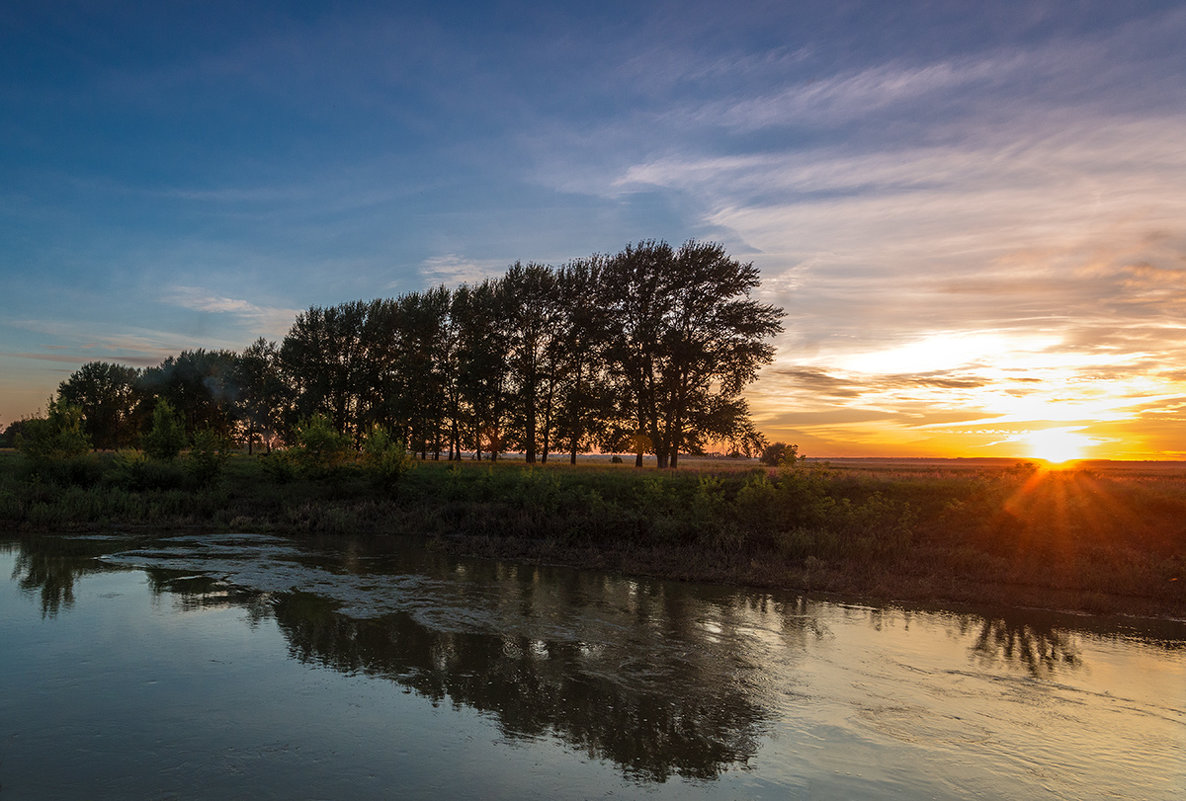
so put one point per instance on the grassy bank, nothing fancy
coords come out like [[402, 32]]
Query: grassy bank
[[1099, 540]]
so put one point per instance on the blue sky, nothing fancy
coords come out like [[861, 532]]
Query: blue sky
[[973, 214]]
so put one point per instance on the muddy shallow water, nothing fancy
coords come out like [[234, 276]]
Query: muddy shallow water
[[232, 666]]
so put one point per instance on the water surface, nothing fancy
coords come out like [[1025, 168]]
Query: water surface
[[196, 667]]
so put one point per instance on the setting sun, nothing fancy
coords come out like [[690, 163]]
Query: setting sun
[[1057, 445]]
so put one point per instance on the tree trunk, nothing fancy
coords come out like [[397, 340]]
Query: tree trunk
[[549, 402], [530, 419]]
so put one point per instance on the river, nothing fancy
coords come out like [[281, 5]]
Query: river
[[226, 666]]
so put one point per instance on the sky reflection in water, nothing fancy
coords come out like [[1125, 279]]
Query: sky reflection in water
[[435, 675]]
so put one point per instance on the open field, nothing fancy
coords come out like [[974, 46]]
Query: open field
[[1100, 537]]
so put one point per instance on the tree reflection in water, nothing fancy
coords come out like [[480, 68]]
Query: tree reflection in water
[[49, 566], [193, 593], [1041, 650], [660, 679], [657, 687], [692, 725]]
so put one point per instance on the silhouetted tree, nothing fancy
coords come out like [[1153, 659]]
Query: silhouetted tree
[[634, 281], [108, 398], [200, 386], [533, 315], [262, 393], [647, 350], [479, 315], [692, 339], [324, 363], [585, 396], [418, 369]]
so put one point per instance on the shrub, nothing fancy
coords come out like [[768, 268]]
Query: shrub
[[279, 465], [207, 456], [167, 437], [755, 502], [59, 436], [133, 470], [321, 450], [385, 459], [56, 446]]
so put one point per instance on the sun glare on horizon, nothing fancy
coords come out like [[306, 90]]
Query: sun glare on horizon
[[1057, 445]]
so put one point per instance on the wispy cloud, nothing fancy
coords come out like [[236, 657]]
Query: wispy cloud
[[263, 320], [452, 269], [78, 342]]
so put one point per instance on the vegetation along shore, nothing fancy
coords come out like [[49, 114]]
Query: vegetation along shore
[[1098, 540]]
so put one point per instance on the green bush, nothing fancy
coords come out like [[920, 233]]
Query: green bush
[[755, 503], [132, 470], [321, 451], [167, 437], [805, 497], [385, 460], [280, 466], [56, 440], [207, 456]]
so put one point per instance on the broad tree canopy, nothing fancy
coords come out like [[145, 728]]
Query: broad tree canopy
[[692, 339]]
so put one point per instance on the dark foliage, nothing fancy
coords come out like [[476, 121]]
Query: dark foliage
[[647, 351]]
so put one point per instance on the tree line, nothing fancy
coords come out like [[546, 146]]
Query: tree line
[[646, 351]]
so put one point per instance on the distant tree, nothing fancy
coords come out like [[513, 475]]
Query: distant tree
[[746, 441], [167, 436], [692, 338], [108, 397], [779, 453]]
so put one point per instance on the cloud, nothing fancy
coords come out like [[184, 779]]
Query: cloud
[[264, 320], [87, 342], [452, 269], [81, 357], [846, 97]]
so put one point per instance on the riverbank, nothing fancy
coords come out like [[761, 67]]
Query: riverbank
[[1094, 540]]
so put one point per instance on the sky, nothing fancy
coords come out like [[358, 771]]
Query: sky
[[973, 214]]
